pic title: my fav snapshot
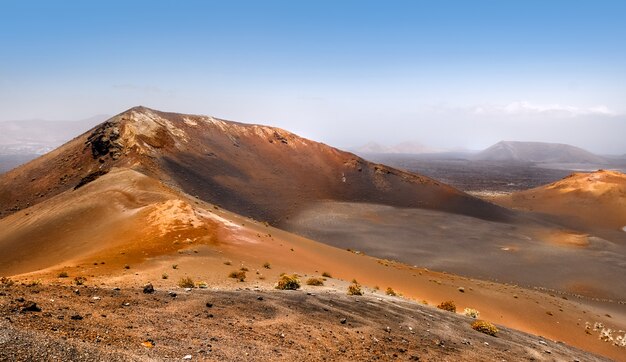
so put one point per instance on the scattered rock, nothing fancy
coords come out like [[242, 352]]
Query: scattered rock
[[187, 357], [76, 317], [343, 321], [461, 289], [29, 306], [148, 288], [209, 305], [259, 298], [172, 294]]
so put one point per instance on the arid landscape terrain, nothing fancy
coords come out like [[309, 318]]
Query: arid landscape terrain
[[157, 236]]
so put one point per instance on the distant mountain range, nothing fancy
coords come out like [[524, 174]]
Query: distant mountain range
[[537, 152], [37, 137]]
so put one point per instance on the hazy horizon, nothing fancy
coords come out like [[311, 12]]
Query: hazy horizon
[[447, 75]]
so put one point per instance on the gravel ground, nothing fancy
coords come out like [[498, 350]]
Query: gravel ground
[[94, 324]]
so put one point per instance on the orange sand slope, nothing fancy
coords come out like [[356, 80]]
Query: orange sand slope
[[125, 219], [596, 200]]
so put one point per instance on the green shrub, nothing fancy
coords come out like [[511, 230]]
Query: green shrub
[[288, 282], [448, 305], [485, 327]]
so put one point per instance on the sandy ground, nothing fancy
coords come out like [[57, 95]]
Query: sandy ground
[[530, 254]]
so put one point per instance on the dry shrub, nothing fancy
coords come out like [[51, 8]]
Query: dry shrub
[[470, 312], [315, 282], [63, 274], [80, 280], [354, 289], [186, 282], [390, 292], [267, 265], [240, 275], [448, 305], [485, 327], [288, 282], [326, 275]]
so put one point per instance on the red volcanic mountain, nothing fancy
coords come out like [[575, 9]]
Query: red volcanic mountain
[[259, 171]]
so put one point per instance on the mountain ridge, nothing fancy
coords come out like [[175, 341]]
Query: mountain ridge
[[542, 152]]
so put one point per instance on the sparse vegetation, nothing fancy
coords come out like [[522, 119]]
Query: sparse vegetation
[[390, 292], [175, 266], [244, 269], [34, 283], [288, 282], [485, 327], [315, 281], [202, 285], [240, 275], [326, 275], [470, 312], [62, 274], [186, 282], [447, 305], [354, 289], [164, 276], [6, 281], [267, 265], [80, 280]]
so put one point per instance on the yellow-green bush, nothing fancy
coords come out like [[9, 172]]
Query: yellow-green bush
[[485, 327], [448, 305], [288, 282]]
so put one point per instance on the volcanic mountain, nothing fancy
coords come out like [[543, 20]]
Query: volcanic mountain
[[160, 197], [537, 152], [258, 171]]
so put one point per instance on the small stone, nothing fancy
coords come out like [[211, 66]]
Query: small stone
[[188, 289], [96, 298], [76, 317], [172, 294], [30, 307], [461, 289], [209, 305], [148, 288], [343, 321], [543, 342], [259, 298], [187, 357]]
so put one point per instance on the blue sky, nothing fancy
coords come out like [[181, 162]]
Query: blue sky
[[443, 73]]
